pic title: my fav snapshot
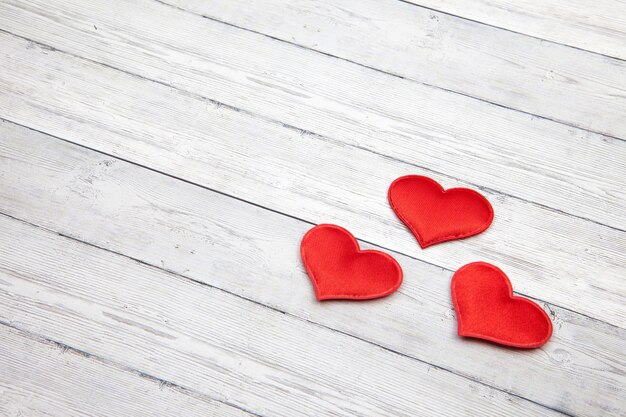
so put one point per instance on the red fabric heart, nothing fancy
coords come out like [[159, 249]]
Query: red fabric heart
[[340, 269], [487, 309], [436, 215]]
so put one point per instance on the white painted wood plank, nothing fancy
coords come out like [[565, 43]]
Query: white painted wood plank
[[537, 160], [598, 25], [40, 378], [215, 343], [541, 78], [251, 252], [558, 258]]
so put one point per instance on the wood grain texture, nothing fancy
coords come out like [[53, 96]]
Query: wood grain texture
[[160, 161], [537, 160], [598, 26], [247, 251], [512, 70], [41, 378], [564, 260], [215, 343]]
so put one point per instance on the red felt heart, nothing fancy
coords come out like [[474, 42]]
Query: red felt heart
[[436, 215], [340, 269], [487, 309]]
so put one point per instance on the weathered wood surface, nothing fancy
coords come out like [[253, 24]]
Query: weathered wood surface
[[215, 343], [497, 66], [567, 169], [598, 26], [562, 259], [39, 377], [244, 250], [158, 169]]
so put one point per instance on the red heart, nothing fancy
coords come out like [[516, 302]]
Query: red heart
[[340, 269], [436, 215], [487, 309]]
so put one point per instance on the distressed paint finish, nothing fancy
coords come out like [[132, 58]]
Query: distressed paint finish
[[564, 168], [215, 343], [252, 253], [160, 161], [42, 377], [497, 66], [304, 175]]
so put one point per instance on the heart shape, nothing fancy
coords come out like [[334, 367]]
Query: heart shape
[[436, 215], [339, 269], [487, 309]]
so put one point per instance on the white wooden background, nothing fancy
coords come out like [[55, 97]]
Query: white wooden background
[[161, 159]]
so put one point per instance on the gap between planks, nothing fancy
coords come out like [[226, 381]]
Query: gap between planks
[[192, 402], [442, 8]]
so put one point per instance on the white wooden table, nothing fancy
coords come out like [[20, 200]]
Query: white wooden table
[[161, 159]]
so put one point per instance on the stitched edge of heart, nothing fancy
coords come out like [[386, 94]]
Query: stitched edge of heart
[[346, 296], [446, 238], [514, 297]]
